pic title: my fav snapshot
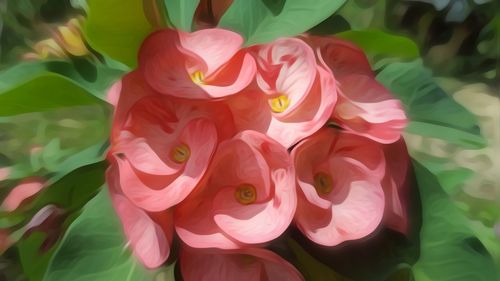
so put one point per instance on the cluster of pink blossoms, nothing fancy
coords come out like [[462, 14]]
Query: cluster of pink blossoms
[[227, 146]]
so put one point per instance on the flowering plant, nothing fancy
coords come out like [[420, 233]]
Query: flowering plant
[[242, 145]]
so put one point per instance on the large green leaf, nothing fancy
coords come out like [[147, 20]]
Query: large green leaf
[[42, 93], [261, 21], [74, 190], [93, 249], [180, 13], [378, 44], [449, 250], [33, 260], [431, 111], [117, 28], [95, 78]]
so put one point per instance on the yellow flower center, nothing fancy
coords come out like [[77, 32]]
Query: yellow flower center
[[279, 104], [323, 183], [245, 194], [180, 153], [198, 78]]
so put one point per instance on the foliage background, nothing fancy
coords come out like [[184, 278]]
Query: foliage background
[[459, 45]]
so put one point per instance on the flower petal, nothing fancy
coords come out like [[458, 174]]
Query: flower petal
[[201, 137], [368, 109], [214, 46], [148, 240]]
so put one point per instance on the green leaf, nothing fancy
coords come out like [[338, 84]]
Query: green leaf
[[450, 176], [180, 13], [449, 250], [94, 77], [431, 111], [378, 44], [71, 192], [93, 249], [262, 21], [43, 93], [74, 190], [117, 28], [34, 262]]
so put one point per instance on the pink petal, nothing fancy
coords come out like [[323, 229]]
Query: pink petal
[[133, 88], [231, 78], [197, 229], [257, 223], [148, 240], [163, 65], [297, 69], [144, 158], [169, 58], [309, 116], [310, 153], [355, 206], [214, 46], [24, 190], [236, 162], [355, 217], [201, 137], [252, 112], [368, 109], [114, 93]]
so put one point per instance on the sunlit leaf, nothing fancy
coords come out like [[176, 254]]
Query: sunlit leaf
[[449, 250], [117, 28], [45, 92], [261, 21], [378, 44], [180, 13]]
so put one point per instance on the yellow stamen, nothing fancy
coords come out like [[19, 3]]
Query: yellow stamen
[[279, 104], [323, 183], [198, 78], [245, 194], [180, 154]]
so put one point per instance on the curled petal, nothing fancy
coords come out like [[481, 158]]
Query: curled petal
[[201, 137], [214, 46], [367, 108], [341, 194]]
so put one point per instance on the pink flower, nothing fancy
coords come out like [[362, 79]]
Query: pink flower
[[339, 178], [201, 65], [163, 146], [250, 264], [365, 107], [295, 95], [21, 192], [149, 233], [248, 196]]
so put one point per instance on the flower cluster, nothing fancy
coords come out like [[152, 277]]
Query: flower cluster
[[226, 146]]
